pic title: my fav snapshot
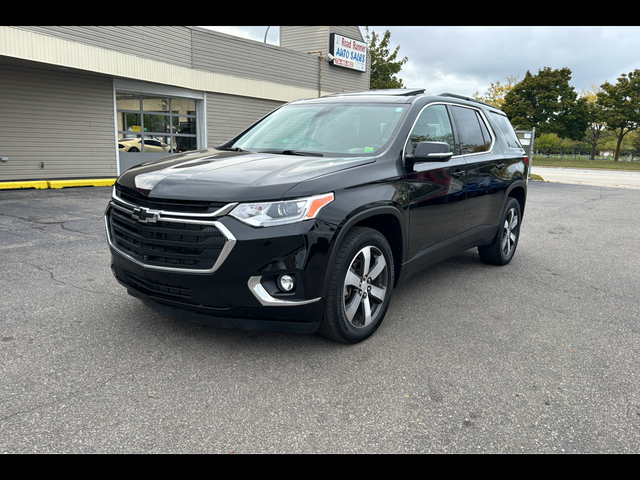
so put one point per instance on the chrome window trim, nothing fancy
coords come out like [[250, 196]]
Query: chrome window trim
[[486, 124], [479, 110]]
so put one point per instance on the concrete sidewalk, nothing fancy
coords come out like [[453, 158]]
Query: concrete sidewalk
[[583, 176]]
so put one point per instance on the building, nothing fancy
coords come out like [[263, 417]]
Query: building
[[92, 101]]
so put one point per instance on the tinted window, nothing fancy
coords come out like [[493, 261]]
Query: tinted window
[[471, 129], [506, 129], [485, 132], [348, 129], [433, 125]]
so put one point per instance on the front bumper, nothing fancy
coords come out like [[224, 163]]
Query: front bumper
[[215, 269]]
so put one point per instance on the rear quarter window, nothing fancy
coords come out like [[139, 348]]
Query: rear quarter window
[[504, 127]]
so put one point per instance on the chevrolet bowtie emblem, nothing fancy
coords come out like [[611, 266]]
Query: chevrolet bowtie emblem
[[145, 215]]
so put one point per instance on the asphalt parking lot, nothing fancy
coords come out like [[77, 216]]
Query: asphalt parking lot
[[540, 356]]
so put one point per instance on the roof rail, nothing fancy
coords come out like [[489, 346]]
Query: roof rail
[[399, 92], [469, 99]]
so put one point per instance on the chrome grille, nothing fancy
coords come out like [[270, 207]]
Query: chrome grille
[[168, 240], [183, 206]]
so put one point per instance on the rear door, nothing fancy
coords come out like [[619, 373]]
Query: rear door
[[487, 174]]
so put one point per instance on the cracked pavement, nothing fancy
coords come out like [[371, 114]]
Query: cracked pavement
[[540, 356]]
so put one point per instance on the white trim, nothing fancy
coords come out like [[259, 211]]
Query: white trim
[[135, 86], [18, 43], [115, 127], [201, 117]]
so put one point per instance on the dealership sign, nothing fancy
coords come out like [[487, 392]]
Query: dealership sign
[[348, 52]]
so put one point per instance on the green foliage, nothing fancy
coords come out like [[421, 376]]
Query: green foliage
[[606, 117], [384, 65], [620, 105], [547, 102], [496, 92], [543, 161], [547, 143], [594, 135], [634, 142]]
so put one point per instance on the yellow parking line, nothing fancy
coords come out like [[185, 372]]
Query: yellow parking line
[[36, 184], [102, 182], [99, 182]]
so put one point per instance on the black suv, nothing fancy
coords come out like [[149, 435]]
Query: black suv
[[308, 219]]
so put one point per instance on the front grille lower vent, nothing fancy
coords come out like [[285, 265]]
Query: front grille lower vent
[[158, 289]]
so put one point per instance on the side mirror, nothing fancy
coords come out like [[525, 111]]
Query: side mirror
[[432, 151]]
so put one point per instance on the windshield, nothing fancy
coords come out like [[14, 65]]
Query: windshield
[[329, 130]]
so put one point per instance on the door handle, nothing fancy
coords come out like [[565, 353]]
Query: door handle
[[458, 174]]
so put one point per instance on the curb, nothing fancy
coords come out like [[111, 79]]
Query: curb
[[40, 184]]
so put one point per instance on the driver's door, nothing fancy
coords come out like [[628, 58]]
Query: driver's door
[[436, 191]]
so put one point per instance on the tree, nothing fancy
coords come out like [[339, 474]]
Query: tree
[[621, 106], [547, 102], [634, 140], [384, 65], [548, 143], [594, 135], [497, 91], [610, 143]]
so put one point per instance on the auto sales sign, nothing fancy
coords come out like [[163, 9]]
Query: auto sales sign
[[348, 53]]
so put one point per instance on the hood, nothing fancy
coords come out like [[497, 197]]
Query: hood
[[231, 176]]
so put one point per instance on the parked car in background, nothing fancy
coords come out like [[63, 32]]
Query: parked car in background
[[150, 145]]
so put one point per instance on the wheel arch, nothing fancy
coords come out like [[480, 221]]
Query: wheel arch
[[385, 219], [519, 192]]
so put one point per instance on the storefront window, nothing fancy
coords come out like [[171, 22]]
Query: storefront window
[[155, 124]]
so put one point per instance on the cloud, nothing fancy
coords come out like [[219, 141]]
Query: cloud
[[467, 59]]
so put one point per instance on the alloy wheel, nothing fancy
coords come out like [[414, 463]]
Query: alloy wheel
[[365, 287], [510, 233]]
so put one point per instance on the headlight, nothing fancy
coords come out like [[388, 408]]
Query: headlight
[[279, 213]]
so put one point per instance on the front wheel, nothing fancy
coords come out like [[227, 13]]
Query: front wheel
[[360, 287], [501, 250]]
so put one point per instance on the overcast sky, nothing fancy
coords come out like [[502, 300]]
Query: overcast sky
[[466, 60]]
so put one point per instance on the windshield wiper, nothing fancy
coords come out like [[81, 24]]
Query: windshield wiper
[[234, 149], [294, 152]]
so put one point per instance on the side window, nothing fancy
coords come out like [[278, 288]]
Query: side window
[[485, 132], [474, 135], [506, 129], [433, 125]]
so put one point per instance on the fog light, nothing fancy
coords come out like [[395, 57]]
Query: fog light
[[286, 283]]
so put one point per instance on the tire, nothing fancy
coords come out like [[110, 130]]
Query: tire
[[133, 149], [360, 287], [503, 246]]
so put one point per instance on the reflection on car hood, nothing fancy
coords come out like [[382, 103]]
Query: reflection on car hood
[[231, 176]]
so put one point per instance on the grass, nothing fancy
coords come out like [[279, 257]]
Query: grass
[[566, 162]]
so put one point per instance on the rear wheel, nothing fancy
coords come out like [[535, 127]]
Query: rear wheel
[[501, 250], [360, 287]]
